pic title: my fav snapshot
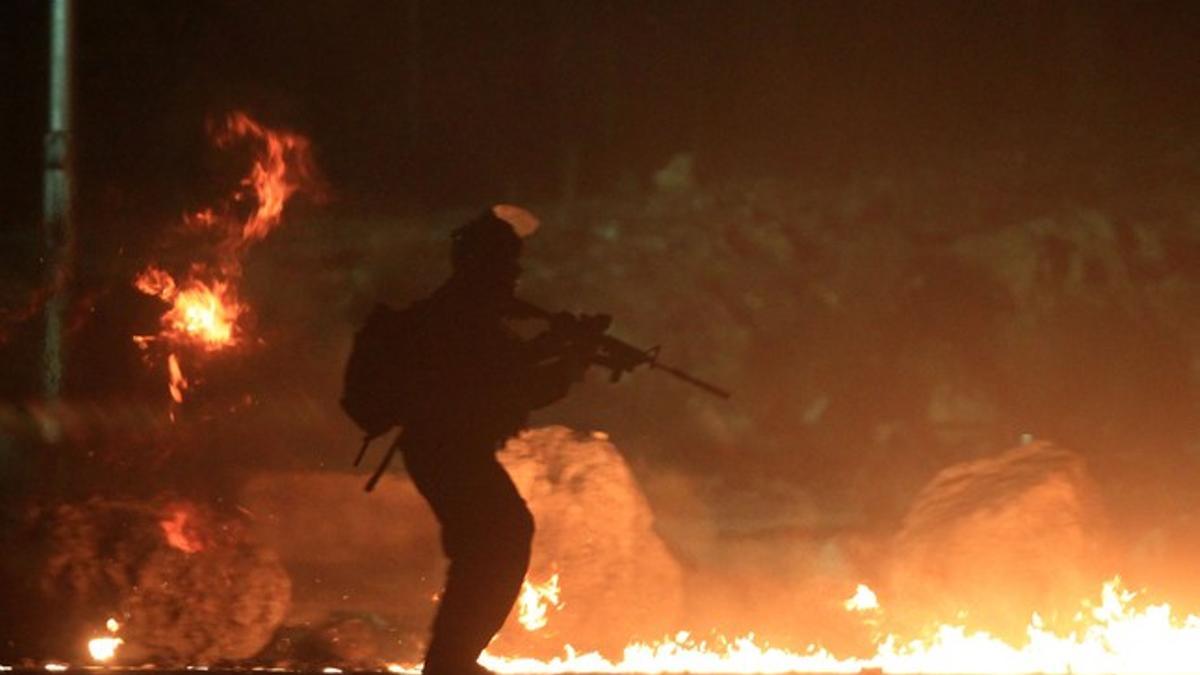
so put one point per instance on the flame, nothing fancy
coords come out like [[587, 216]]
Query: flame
[[282, 167], [204, 315], [201, 314], [204, 308], [103, 649], [180, 533], [178, 382], [154, 281], [536, 600], [1110, 636], [863, 600]]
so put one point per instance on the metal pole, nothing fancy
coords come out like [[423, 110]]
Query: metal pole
[[57, 194]]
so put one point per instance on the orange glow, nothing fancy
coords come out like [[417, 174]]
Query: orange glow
[[535, 602], [523, 222], [180, 532]]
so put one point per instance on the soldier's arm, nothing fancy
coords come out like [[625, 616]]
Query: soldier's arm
[[549, 380]]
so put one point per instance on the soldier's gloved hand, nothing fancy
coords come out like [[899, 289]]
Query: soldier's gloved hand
[[583, 326], [594, 324], [564, 324]]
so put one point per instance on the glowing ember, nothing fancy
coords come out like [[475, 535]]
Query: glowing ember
[[179, 532], [535, 602]]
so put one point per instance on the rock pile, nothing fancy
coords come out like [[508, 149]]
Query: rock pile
[[989, 541], [185, 585]]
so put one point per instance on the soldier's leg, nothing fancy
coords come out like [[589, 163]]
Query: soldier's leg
[[487, 537]]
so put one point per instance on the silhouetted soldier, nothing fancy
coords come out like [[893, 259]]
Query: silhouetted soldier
[[481, 380]]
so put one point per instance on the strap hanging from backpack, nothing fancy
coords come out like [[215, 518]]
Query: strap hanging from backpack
[[387, 459], [362, 449], [383, 465]]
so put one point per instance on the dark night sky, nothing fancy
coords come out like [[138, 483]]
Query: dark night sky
[[479, 99]]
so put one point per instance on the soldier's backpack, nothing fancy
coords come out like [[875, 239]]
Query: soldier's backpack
[[378, 388]]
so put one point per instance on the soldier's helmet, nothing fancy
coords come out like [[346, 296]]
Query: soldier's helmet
[[492, 239], [482, 242]]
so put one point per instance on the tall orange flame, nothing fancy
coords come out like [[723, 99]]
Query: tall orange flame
[[282, 167], [204, 307]]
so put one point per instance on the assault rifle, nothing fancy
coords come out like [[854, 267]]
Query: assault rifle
[[606, 351]]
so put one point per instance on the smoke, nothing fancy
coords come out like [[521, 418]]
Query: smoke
[[880, 335]]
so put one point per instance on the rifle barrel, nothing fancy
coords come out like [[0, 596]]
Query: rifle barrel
[[710, 388]]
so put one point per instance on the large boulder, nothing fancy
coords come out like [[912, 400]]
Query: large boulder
[[595, 529], [988, 542]]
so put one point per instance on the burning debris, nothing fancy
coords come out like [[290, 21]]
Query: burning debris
[[205, 312]]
